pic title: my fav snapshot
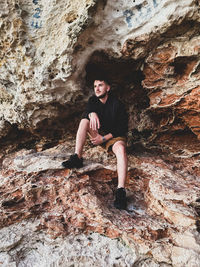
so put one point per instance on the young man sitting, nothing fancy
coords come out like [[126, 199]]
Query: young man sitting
[[106, 122]]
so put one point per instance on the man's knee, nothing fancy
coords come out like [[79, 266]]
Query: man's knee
[[119, 148], [84, 124]]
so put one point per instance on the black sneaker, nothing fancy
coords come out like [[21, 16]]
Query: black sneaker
[[120, 199], [73, 162]]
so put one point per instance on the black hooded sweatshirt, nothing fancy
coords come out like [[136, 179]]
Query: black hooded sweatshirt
[[112, 115]]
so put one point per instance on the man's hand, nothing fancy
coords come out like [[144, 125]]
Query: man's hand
[[97, 140], [94, 121]]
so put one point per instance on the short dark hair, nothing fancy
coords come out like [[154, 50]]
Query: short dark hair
[[101, 77]]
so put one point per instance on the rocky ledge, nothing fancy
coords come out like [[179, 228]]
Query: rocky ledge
[[161, 224]]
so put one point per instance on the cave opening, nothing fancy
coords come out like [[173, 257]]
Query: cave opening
[[125, 76]]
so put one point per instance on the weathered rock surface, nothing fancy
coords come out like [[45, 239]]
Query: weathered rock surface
[[49, 54], [160, 225], [35, 248]]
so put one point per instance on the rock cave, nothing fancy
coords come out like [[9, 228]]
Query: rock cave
[[50, 52]]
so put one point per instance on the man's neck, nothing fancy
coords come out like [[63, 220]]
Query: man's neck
[[103, 100]]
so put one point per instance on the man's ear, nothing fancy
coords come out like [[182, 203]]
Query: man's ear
[[108, 88]]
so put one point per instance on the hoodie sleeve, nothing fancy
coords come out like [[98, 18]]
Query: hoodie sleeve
[[90, 107]]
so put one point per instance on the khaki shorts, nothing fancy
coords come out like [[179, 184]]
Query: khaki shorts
[[108, 144]]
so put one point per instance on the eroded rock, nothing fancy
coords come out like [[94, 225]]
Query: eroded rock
[[149, 48], [38, 249], [50, 52], [161, 215]]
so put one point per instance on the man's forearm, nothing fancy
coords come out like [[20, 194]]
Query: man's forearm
[[107, 137]]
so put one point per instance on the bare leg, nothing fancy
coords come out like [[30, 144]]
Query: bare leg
[[119, 149], [81, 136], [83, 129]]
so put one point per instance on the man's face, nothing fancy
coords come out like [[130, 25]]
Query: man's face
[[101, 88]]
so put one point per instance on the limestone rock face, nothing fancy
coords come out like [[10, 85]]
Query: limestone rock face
[[150, 49], [50, 52], [37, 42], [32, 247]]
